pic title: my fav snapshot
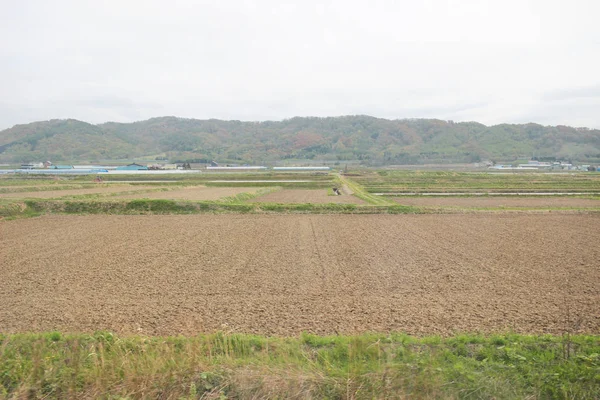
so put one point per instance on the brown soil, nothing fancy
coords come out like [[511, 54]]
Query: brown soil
[[284, 274], [50, 194], [193, 193], [493, 201], [306, 196]]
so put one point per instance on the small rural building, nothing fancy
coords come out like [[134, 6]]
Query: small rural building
[[32, 165], [132, 167], [162, 166], [536, 164]]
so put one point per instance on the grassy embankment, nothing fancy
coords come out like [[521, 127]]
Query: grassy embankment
[[360, 192], [102, 365], [148, 206]]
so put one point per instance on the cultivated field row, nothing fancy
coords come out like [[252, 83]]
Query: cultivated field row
[[102, 190], [499, 201], [466, 182]]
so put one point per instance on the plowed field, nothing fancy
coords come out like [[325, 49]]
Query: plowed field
[[193, 193], [284, 274], [306, 196], [493, 201]]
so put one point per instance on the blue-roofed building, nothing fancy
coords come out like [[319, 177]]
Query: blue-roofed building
[[132, 167]]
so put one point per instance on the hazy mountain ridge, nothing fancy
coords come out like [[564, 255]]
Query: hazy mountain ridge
[[373, 140]]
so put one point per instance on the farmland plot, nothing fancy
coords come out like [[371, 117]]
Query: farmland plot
[[498, 201], [448, 181], [284, 274], [319, 196], [197, 193], [50, 194]]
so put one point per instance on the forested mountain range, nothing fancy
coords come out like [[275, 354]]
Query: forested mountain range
[[374, 141]]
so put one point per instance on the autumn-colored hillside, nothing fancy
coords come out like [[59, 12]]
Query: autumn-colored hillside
[[374, 141]]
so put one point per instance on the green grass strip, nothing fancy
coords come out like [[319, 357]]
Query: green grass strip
[[242, 197], [368, 366], [156, 206], [360, 192]]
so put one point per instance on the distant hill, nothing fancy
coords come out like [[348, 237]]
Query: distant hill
[[375, 141]]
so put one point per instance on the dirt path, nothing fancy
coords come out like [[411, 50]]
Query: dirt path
[[347, 190], [284, 274]]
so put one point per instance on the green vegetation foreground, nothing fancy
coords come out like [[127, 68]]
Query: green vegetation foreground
[[102, 365]]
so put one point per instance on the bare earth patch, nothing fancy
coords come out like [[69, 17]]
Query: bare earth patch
[[284, 274], [494, 201], [197, 193], [306, 196], [50, 194]]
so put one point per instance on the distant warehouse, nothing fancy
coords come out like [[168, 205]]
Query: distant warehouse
[[244, 167], [301, 168], [132, 167]]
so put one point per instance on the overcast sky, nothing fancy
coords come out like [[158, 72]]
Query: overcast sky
[[127, 60]]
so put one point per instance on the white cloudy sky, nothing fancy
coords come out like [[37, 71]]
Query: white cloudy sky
[[127, 60]]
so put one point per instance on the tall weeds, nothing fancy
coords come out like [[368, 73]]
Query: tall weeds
[[221, 365]]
